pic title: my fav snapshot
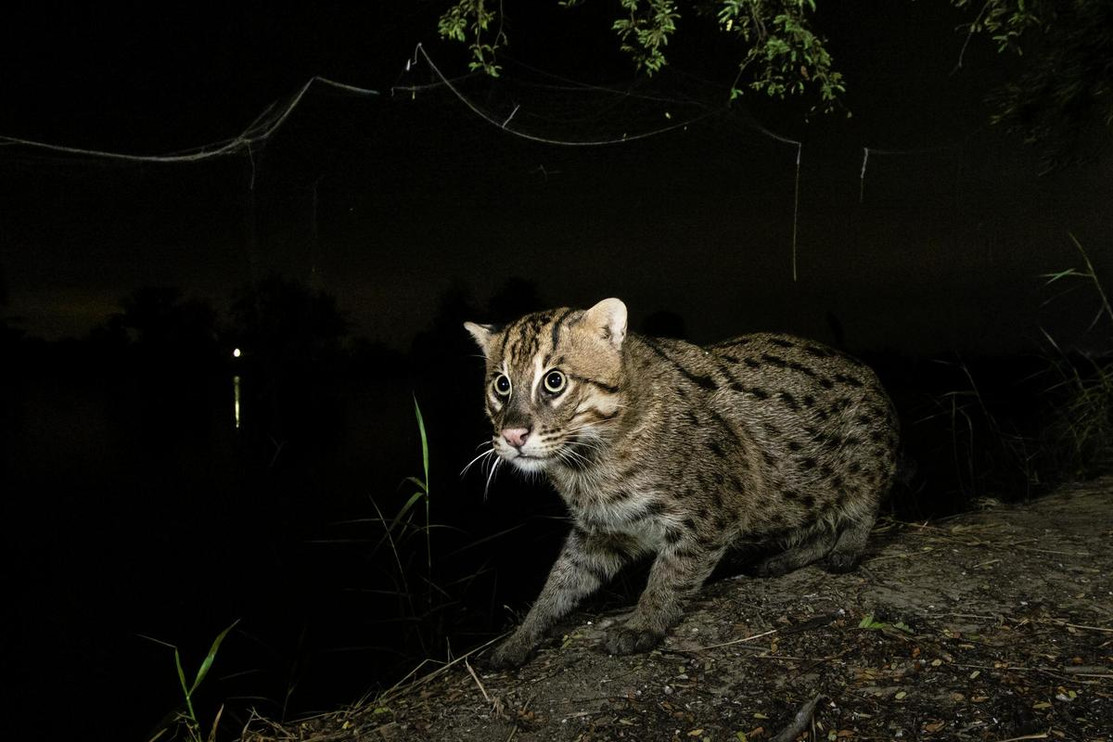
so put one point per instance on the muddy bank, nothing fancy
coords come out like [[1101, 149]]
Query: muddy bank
[[993, 625]]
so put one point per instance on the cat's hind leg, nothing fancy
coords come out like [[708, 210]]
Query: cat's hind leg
[[806, 549], [850, 544]]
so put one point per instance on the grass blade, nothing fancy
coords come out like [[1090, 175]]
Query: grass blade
[[208, 662]]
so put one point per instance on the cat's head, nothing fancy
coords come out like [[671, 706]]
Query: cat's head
[[554, 383]]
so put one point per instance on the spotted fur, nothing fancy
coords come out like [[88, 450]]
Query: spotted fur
[[662, 447]]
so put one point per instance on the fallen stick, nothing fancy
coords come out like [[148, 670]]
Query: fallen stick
[[799, 722]]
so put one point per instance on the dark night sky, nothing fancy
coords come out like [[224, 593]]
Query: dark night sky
[[390, 201], [393, 202]]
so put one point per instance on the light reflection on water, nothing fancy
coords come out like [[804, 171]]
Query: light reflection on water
[[236, 399]]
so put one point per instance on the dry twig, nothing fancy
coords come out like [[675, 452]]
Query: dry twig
[[799, 722]]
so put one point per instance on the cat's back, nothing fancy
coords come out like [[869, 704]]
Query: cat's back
[[780, 365], [814, 410]]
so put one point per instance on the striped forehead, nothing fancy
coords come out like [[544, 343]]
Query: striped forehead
[[536, 336]]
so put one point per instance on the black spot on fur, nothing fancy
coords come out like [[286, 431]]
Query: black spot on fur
[[795, 446], [715, 448], [826, 383], [596, 570], [685, 554], [801, 368], [704, 382], [760, 393], [773, 360], [808, 462], [717, 496], [790, 401], [556, 327], [848, 380], [809, 400], [817, 352], [782, 342], [751, 363]]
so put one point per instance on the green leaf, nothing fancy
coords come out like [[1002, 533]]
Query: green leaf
[[414, 499], [181, 672], [208, 662], [424, 442]]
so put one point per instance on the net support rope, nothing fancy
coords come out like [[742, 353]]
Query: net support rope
[[276, 114], [262, 128]]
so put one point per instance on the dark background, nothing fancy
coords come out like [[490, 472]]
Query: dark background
[[343, 250]]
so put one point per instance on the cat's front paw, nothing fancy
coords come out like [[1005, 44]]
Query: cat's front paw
[[510, 654], [627, 640]]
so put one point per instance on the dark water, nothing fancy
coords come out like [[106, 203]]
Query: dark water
[[134, 507]]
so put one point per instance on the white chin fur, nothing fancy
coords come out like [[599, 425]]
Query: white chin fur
[[528, 464]]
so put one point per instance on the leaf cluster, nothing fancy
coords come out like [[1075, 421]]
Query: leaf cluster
[[784, 55], [1066, 82], [469, 22], [1065, 85]]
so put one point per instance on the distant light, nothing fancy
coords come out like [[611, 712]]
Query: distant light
[[236, 353]]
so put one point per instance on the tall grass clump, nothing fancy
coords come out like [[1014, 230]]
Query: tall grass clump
[[1009, 428], [428, 591], [1080, 431], [974, 437]]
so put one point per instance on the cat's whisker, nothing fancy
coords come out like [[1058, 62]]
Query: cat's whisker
[[483, 455], [491, 475]]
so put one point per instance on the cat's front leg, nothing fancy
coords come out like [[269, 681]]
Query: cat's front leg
[[585, 563], [678, 571]]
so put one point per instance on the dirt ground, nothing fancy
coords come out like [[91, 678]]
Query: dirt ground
[[993, 625]]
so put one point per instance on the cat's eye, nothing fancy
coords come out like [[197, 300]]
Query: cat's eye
[[555, 382], [502, 385]]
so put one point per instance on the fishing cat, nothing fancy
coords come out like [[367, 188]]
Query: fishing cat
[[662, 447]]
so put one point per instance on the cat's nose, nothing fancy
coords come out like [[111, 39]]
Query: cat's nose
[[516, 436]]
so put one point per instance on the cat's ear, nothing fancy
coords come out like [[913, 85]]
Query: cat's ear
[[608, 317], [482, 334]]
